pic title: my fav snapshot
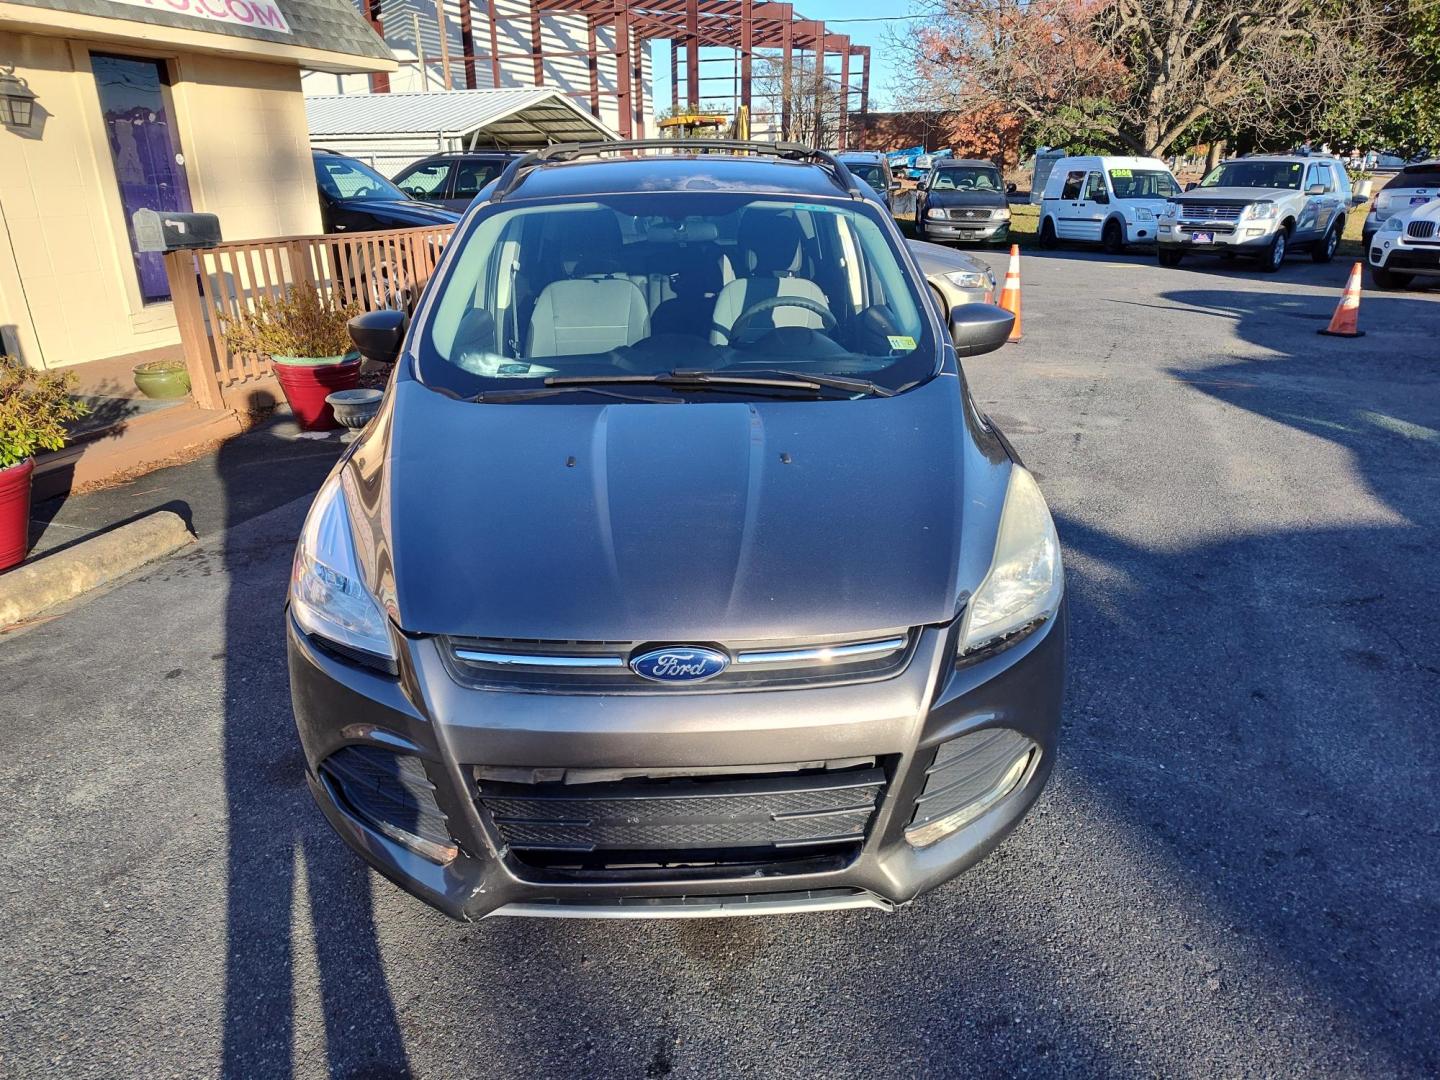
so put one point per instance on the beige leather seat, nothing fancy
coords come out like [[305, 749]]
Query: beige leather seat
[[770, 240]]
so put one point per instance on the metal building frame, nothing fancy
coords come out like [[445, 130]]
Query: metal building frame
[[743, 27]]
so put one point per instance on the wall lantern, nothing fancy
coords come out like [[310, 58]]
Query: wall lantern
[[17, 101]]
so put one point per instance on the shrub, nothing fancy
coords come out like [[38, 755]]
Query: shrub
[[302, 322], [34, 406]]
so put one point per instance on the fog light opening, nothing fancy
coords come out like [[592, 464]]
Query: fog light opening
[[934, 831], [390, 794]]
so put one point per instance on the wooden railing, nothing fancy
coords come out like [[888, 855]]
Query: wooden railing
[[372, 269]]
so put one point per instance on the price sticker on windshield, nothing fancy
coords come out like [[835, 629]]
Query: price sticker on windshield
[[1121, 174], [903, 342]]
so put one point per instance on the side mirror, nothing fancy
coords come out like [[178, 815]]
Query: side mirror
[[1101, 198], [977, 329], [1191, 186], [1010, 189], [1315, 189], [922, 184], [379, 334]]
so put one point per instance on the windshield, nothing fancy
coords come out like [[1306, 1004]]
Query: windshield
[[1143, 184], [967, 178], [647, 284], [1265, 174], [346, 178], [868, 171]]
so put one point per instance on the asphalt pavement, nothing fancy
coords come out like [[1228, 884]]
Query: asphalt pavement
[[1234, 872]]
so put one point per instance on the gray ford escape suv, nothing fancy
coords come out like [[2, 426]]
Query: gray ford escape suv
[[679, 573]]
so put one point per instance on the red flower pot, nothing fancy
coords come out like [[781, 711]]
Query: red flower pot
[[306, 386], [15, 513]]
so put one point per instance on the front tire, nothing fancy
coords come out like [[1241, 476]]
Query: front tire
[[1324, 251], [1170, 258], [1274, 256], [1112, 238], [1047, 234], [1389, 279]]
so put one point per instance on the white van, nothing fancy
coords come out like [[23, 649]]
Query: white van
[[1113, 201]]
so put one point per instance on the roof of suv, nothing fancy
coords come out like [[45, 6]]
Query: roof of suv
[[1285, 157], [971, 163], [677, 172]]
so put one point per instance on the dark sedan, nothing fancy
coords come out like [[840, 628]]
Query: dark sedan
[[963, 200], [453, 180]]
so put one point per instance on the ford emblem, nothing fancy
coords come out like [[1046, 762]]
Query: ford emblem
[[680, 664]]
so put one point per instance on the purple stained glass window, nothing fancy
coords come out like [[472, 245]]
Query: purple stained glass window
[[139, 125]]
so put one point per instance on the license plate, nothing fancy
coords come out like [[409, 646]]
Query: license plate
[[1419, 200], [1202, 237]]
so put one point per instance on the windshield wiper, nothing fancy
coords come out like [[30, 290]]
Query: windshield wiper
[[527, 393], [702, 378]]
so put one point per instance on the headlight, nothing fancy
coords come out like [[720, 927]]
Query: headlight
[[1002, 214], [1171, 211], [964, 279], [1260, 211], [327, 595], [1394, 223], [935, 211], [1142, 214], [1025, 580]]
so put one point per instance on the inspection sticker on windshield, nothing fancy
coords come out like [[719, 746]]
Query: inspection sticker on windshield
[[902, 341]]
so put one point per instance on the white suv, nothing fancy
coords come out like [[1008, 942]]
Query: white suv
[[1407, 244]]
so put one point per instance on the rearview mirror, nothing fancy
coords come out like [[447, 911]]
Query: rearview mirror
[[378, 334], [977, 329]]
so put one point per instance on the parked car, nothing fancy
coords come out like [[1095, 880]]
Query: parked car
[[874, 169], [453, 180], [758, 615], [963, 200], [1407, 246], [1262, 206], [356, 198], [955, 277], [1414, 185], [1112, 201]]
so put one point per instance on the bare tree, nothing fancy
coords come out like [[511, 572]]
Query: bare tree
[[1140, 74], [803, 103]]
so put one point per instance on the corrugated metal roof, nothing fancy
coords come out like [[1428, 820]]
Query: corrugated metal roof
[[516, 117], [332, 25]]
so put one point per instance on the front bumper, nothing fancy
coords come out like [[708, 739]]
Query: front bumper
[[899, 721], [976, 232], [1404, 258], [1242, 237]]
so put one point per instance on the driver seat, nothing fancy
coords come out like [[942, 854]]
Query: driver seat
[[770, 241]]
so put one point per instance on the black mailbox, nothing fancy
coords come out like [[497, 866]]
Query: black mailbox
[[158, 230]]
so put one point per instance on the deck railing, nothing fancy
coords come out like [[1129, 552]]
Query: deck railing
[[373, 269]]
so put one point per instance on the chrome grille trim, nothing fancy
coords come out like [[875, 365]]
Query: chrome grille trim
[[1420, 230], [823, 653], [476, 656]]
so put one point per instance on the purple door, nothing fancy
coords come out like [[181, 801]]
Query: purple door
[[139, 125]]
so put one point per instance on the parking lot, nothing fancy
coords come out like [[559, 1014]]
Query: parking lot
[[1235, 870]]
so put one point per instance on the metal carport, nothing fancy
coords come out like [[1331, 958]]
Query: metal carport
[[392, 130]]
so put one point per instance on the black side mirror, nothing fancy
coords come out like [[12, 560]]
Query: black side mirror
[[1191, 186], [921, 184], [1101, 198], [1010, 189], [977, 329], [379, 334]]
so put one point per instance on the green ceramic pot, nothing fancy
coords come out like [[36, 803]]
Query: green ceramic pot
[[162, 379]]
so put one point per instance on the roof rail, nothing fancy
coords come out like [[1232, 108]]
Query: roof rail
[[516, 171]]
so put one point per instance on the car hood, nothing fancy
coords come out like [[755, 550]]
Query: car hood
[[965, 198], [408, 211], [704, 521], [1223, 195], [936, 259]]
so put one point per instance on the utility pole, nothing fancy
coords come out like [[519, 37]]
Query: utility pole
[[420, 52]]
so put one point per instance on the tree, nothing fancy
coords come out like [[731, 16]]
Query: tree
[[1141, 74], [803, 103]]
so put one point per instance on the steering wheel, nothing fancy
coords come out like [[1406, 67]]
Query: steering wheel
[[827, 320]]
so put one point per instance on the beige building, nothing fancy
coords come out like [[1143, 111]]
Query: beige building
[[167, 104]]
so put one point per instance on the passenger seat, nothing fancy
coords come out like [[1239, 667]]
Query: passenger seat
[[587, 315]]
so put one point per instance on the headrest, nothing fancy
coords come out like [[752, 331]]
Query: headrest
[[772, 239]]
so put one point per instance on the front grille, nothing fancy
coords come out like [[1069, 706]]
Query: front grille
[[603, 667], [705, 820], [1203, 212], [1420, 230], [958, 213], [391, 793]]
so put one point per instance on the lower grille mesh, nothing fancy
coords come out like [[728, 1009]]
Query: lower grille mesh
[[967, 770], [713, 819], [391, 792]]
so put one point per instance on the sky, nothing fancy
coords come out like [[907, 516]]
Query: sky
[[874, 19]]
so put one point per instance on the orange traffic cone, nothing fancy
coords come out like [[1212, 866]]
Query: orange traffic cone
[[1346, 320], [1010, 294]]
